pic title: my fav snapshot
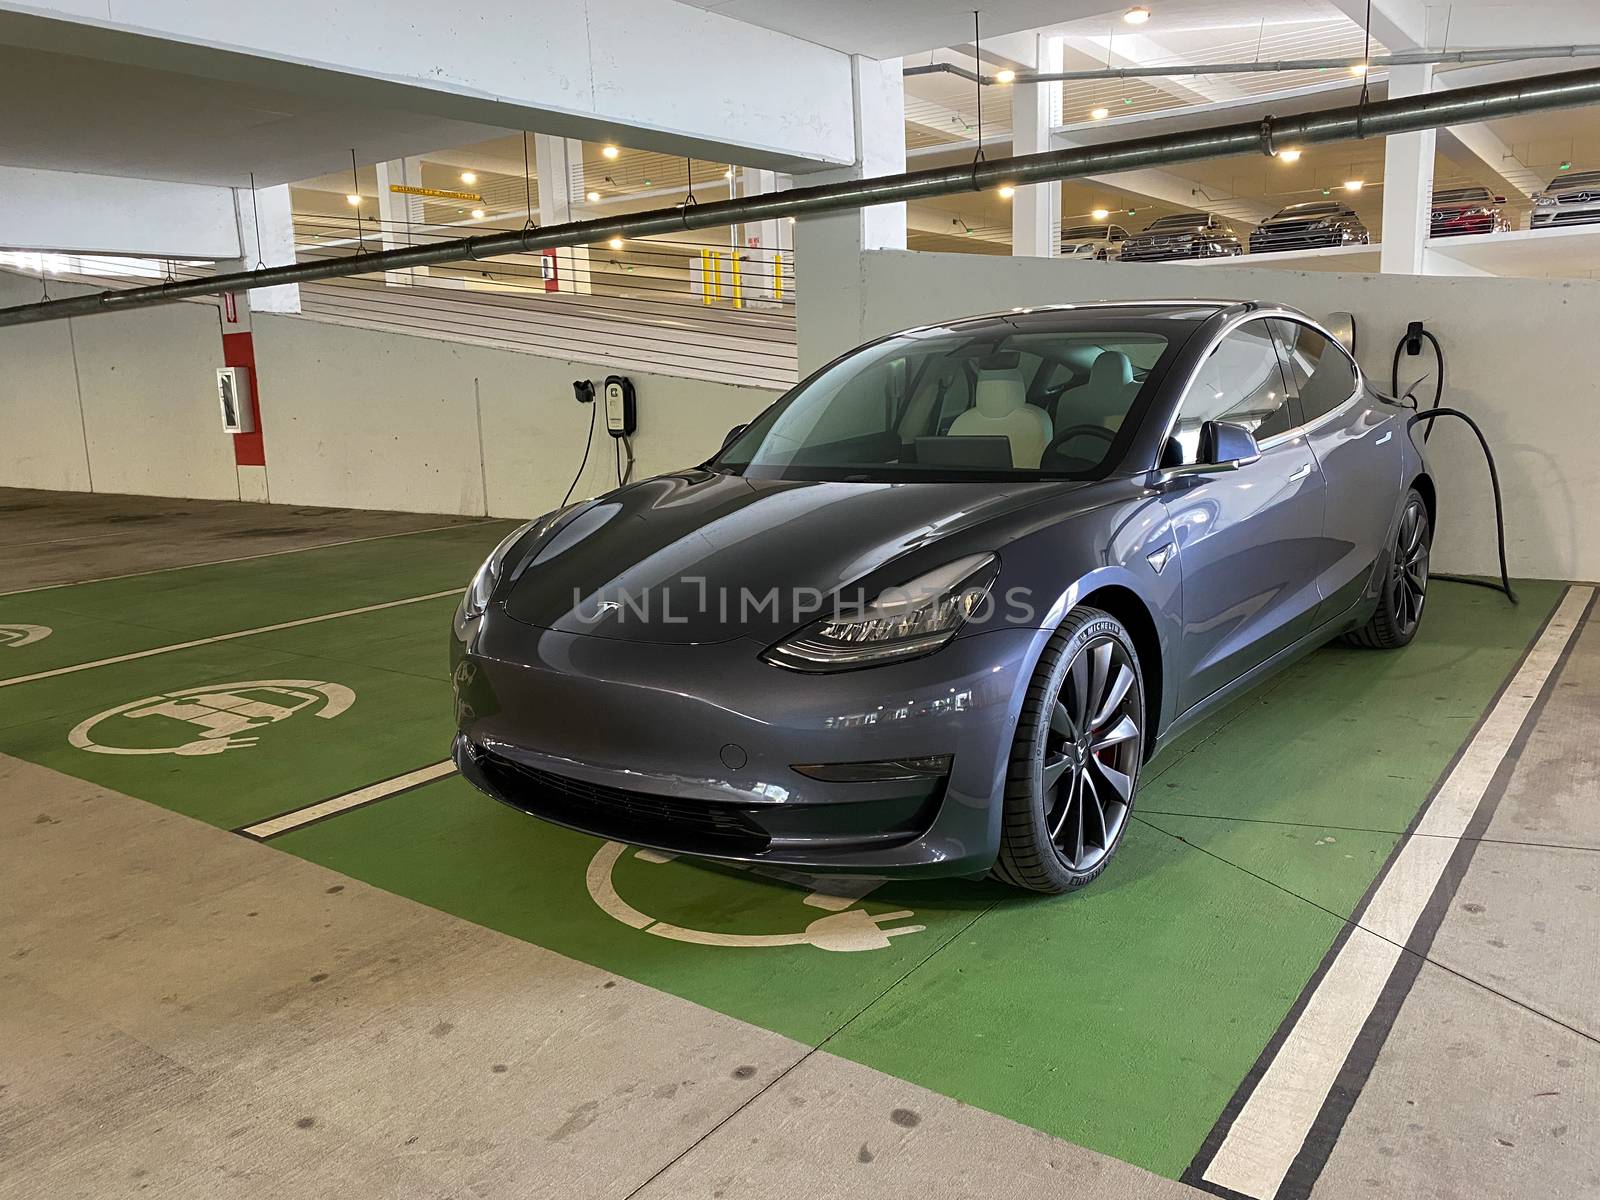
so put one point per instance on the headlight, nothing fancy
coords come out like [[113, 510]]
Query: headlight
[[1543, 201], [476, 598], [904, 622]]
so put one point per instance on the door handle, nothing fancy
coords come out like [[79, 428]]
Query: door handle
[[1384, 438], [1304, 471]]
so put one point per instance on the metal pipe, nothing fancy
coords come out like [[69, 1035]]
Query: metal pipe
[[1379, 62], [1405, 115]]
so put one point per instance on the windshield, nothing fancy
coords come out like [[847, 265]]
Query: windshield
[[991, 402]]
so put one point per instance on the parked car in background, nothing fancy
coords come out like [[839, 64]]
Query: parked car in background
[[1463, 210], [1093, 241], [1183, 235], [1309, 226], [1569, 200]]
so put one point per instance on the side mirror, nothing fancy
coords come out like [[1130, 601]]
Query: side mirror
[[1227, 447], [1223, 447], [1499, 199], [733, 434]]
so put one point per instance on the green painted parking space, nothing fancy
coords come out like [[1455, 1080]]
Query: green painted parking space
[[234, 732], [91, 621], [1121, 1018]]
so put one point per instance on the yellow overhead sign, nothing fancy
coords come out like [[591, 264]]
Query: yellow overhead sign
[[434, 193]]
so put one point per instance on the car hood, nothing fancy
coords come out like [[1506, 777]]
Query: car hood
[[701, 556]]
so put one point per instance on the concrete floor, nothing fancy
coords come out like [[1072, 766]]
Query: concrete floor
[[69, 537], [186, 1012]]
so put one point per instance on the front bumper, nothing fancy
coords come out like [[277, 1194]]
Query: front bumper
[[691, 748], [1168, 251]]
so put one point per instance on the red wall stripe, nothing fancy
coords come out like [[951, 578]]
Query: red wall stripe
[[238, 350]]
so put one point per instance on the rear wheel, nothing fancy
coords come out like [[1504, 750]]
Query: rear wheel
[[1405, 588], [1076, 757]]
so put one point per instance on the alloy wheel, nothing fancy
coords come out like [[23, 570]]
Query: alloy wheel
[[1409, 585], [1092, 752]]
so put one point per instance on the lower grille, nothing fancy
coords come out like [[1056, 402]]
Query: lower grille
[[694, 826]]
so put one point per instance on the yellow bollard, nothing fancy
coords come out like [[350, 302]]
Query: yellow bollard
[[777, 275], [738, 285]]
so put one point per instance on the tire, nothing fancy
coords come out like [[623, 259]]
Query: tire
[[1083, 718], [1405, 585]]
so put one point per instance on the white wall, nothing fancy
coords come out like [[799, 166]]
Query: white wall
[[351, 418], [369, 419], [121, 403], [41, 438], [1523, 357]]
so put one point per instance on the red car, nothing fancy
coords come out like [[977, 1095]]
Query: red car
[[1457, 211]]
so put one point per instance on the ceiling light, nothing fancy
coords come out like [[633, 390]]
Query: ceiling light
[[469, 177], [1289, 156], [1353, 185], [615, 243], [1359, 69], [477, 214], [1136, 16], [1100, 214], [728, 174], [1005, 75], [610, 151], [594, 197], [1099, 114], [1007, 191], [352, 200]]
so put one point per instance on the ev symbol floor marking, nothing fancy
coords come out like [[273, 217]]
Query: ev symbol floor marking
[[221, 712], [13, 636], [845, 928]]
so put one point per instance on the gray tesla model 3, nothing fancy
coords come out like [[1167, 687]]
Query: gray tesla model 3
[[932, 611]]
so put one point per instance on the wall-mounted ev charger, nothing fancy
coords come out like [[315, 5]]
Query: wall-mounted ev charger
[[622, 416]]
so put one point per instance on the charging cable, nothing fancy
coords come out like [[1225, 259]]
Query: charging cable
[[1412, 344], [583, 389]]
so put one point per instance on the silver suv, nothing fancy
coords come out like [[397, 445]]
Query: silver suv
[[1569, 200]]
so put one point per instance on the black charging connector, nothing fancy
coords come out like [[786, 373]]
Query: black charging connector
[[1411, 344], [583, 390]]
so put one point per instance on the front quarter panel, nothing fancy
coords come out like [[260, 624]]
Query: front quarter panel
[[1123, 542]]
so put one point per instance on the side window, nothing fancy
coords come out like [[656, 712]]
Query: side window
[[1239, 382], [1319, 371]]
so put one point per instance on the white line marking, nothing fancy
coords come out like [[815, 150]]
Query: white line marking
[[1273, 1124], [224, 637], [217, 562], [377, 791]]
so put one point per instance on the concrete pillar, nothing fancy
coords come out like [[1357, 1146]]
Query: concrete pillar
[[398, 213], [1407, 182], [558, 165], [1036, 208], [828, 247], [272, 244], [765, 245]]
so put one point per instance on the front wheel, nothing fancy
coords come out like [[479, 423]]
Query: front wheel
[[1405, 588], [1075, 761]]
